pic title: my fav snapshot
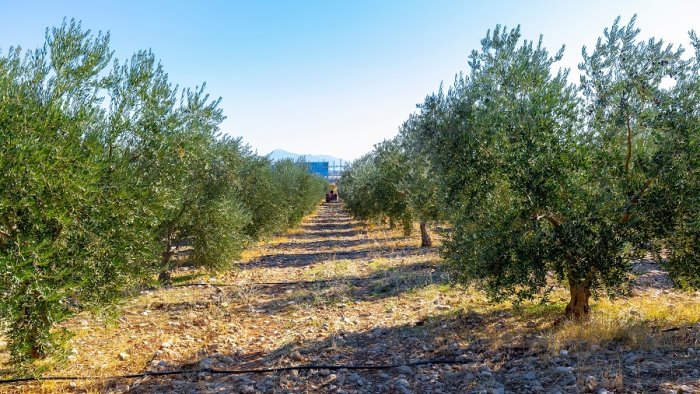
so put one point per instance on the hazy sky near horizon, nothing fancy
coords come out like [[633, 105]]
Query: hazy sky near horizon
[[330, 77]]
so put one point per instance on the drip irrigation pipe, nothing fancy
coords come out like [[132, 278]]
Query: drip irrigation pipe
[[238, 371]]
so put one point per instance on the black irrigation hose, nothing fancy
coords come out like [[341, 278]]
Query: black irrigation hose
[[239, 371]]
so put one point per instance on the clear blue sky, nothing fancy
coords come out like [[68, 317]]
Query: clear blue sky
[[329, 77]]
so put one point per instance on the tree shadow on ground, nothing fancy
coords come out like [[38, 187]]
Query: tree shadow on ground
[[515, 344], [650, 274], [387, 236], [180, 306], [350, 232], [517, 362], [324, 244], [289, 260], [328, 227], [382, 283]]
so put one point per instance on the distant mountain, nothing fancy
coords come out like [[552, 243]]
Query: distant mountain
[[279, 154]]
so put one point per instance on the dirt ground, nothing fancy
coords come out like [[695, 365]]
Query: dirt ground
[[336, 293]]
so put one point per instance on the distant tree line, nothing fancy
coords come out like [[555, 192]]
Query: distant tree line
[[105, 167], [538, 176]]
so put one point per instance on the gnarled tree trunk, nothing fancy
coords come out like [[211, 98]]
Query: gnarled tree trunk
[[34, 328], [38, 336], [164, 278], [425, 240], [578, 307], [407, 224]]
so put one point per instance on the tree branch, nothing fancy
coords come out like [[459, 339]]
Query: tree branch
[[556, 222], [629, 145], [634, 200]]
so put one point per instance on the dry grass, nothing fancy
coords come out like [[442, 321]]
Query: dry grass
[[406, 291], [638, 321], [643, 321], [258, 250], [332, 269]]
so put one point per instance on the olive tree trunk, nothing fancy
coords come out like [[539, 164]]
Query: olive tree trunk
[[578, 308], [407, 225], [164, 278], [425, 240]]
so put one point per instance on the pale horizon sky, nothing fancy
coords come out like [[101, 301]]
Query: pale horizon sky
[[330, 77]]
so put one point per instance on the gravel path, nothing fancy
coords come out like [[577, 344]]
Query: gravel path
[[336, 293], [370, 318]]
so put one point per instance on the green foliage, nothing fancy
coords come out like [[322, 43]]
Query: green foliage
[[396, 182], [300, 191], [509, 159], [675, 199], [426, 193], [538, 176], [358, 187], [214, 220], [103, 172], [53, 218], [642, 103], [277, 195], [267, 217], [374, 187]]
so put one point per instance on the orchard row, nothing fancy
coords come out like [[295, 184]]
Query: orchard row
[[538, 176], [105, 167]]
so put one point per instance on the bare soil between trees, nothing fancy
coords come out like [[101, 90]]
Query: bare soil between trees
[[336, 293]]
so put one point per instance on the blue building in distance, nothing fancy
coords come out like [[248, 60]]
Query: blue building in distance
[[320, 168], [329, 170]]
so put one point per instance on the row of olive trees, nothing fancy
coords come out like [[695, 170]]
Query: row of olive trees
[[540, 176], [391, 183], [104, 170]]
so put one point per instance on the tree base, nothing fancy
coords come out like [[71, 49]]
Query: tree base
[[578, 307], [425, 240], [165, 279]]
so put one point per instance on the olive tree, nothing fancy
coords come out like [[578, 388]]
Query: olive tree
[[672, 198], [375, 186], [509, 156], [185, 172], [63, 245], [358, 183], [299, 191], [391, 193], [542, 177], [640, 127], [424, 189], [547, 179], [103, 173]]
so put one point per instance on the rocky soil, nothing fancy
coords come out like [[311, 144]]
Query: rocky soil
[[337, 294]]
